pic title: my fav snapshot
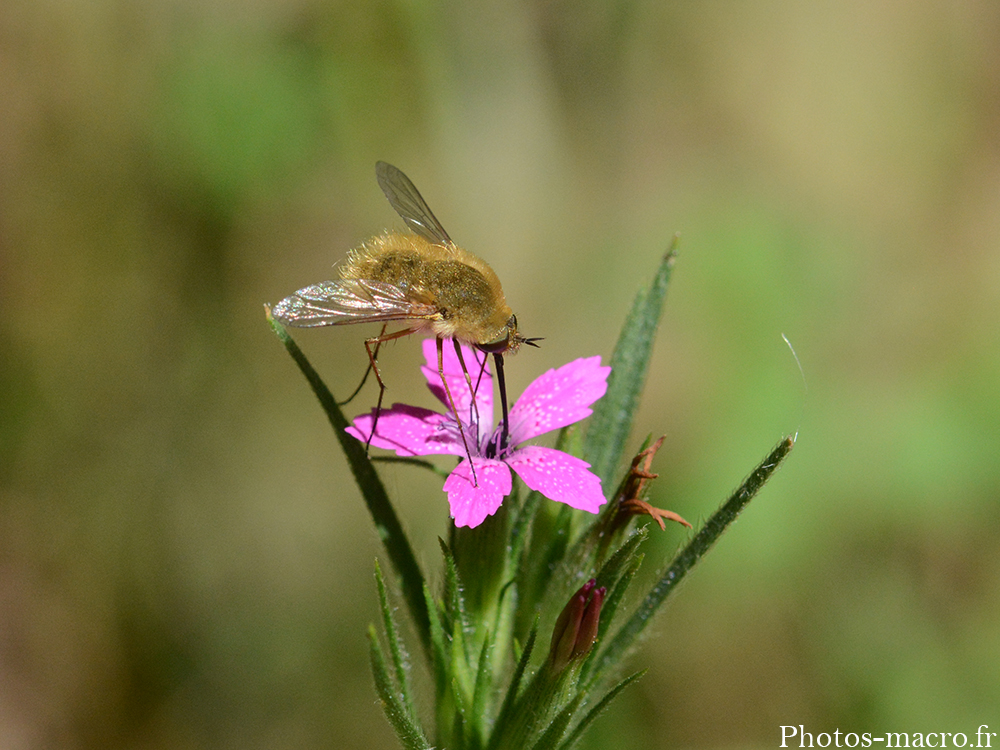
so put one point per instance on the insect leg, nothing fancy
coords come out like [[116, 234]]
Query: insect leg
[[451, 403], [368, 370], [473, 407], [378, 341]]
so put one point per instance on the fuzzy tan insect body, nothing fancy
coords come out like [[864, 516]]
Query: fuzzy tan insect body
[[423, 280], [451, 291]]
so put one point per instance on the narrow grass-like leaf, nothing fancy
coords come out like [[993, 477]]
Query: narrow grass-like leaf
[[452, 596], [691, 554], [612, 418], [446, 709], [387, 524], [617, 593], [458, 624], [611, 603], [462, 680], [615, 575], [396, 650], [481, 696], [510, 699], [410, 734], [460, 726], [557, 728], [458, 628], [611, 571], [439, 651], [575, 735]]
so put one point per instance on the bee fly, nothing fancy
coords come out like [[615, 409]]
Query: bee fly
[[423, 280]]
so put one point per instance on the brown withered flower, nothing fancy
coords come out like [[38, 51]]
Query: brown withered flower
[[631, 499]]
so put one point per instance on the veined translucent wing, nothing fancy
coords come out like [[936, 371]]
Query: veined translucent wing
[[335, 303], [408, 203]]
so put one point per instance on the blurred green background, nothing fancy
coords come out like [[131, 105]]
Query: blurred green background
[[184, 561]]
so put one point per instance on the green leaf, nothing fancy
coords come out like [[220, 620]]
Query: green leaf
[[612, 570], [439, 650], [617, 593], [458, 628], [616, 575], [587, 720], [457, 622], [445, 709], [387, 524], [460, 670], [555, 731], [460, 724], [410, 734], [481, 696], [510, 699], [396, 649], [691, 554], [612, 418]]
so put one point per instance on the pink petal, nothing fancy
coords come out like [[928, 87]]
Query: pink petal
[[482, 383], [559, 476], [410, 431], [471, 504], [558, 398]]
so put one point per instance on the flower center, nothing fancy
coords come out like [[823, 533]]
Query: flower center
[[494, 448]]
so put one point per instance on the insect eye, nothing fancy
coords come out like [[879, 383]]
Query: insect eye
[[504, 342]]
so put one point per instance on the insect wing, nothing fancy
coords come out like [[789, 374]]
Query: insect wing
[[334, 303], [409, 204]]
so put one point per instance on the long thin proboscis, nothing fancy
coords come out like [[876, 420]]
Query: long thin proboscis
[[498, 359]]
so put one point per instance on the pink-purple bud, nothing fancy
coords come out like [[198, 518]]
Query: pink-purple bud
[[576, 627]]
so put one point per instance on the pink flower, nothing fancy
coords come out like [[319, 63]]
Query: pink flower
[[557, 398]]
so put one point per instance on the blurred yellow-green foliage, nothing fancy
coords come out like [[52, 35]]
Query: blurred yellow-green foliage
[[184, 561]]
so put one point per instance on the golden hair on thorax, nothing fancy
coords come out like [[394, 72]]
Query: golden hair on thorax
[[423, 280]]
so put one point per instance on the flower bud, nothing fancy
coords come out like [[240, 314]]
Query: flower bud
[[576, 627]]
